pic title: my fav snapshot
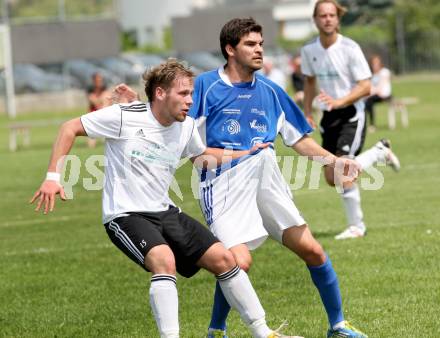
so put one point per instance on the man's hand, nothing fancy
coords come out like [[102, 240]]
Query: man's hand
[[329, 101], [346, 170], [311, 121], [259, 146], [46, 195], [124, 94]]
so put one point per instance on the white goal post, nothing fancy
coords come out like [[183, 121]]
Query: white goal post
[[6, 64]]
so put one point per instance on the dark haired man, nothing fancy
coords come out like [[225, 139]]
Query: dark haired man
[[337, 64], [144, 144], [236, 107]]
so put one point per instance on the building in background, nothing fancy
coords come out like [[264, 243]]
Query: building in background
[[146, 20], [200, 30], [294, 18]]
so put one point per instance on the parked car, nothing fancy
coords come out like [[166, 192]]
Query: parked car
[[29, 78], [122, 68], [83, 70], [202, 60], [141, 62]]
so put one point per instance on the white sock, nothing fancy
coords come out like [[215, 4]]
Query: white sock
[[351, 199], [164, 303], [240, 294], [371, 156]]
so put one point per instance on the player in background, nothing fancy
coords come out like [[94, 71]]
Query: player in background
[[338, 67], [143, 146], [380, 88], [98, 97]]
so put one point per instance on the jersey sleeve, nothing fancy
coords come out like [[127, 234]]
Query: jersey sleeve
[[104, 122], [359, 66], [195, 146], [306, 68], [292, 124]]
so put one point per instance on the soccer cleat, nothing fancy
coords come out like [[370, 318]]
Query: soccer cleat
[[277, 334], [214, 333], [347, 331], [351, 232], [390, 158]]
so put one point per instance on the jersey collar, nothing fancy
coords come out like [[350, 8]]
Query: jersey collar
[[225, 78], [337, 42]]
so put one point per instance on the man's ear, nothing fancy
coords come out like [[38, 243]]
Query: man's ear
[[230, 50], [160, 93]]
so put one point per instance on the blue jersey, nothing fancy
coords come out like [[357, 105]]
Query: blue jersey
[[239, 115]]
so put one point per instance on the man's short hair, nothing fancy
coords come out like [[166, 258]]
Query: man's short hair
[[163, 76], [234, 30], [341, 10]]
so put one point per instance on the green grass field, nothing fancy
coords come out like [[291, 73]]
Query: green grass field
[[61, 277]]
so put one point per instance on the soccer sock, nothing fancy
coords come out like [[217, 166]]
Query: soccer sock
[[351, 199], [164, 303], [371, 156], [325, 279], [240, 294], [220, 309]]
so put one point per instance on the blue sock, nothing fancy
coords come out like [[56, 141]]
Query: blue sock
[[220, 310], [325, 279]]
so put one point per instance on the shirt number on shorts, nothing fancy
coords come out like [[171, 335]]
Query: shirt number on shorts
[[143, 244]]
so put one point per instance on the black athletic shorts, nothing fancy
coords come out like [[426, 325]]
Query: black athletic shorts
[[343, 133], [138, 232]]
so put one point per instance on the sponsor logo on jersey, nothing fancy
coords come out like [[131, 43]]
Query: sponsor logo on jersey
[[258, 112], [260, 127], [231, 144], [329, 74], [140, 133], [244, 96], [229, 111], [154, 156], [231, 126]]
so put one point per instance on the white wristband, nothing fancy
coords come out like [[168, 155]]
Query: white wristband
[[52, 176]]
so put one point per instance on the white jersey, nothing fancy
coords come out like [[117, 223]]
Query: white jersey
[[141, 156], [337, 68], [381, 83]]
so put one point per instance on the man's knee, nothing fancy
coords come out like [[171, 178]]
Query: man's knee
[[224, 261], [244, 263], [242, 256], [301, 241], [160, 259], [314, 255]]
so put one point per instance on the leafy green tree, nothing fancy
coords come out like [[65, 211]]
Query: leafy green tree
[[415, 27], [364, 11]]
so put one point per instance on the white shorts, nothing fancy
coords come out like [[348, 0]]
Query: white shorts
[[249, 202]]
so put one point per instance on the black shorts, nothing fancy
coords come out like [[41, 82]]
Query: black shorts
[[343, 133], [137, 233]]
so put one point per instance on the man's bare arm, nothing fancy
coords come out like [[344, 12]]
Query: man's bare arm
[[214, 157], [62, 145], [309, 95], [361, 89], [307, 146]]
